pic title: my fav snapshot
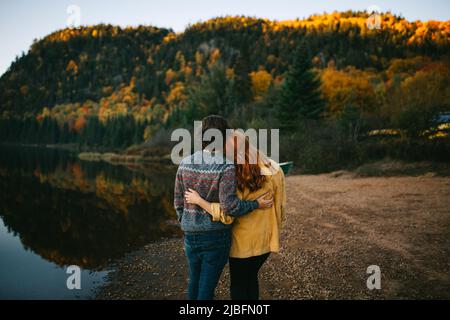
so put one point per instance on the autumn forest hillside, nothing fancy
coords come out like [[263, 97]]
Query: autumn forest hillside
[[336, 75]]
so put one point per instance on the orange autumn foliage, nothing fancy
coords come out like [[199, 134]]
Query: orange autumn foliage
[[79, 124]]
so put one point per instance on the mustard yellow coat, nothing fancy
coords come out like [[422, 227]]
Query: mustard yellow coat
[[257, 232]]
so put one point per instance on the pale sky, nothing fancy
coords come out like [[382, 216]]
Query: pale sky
[[21, 21]]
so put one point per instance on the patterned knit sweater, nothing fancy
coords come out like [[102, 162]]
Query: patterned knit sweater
[[215, 183]]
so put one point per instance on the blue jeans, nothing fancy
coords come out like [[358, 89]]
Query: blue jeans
[[207, 254]]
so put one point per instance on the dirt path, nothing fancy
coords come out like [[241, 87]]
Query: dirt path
[[337, 225]]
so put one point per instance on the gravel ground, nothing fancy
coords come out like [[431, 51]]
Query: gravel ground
[[337, 225]]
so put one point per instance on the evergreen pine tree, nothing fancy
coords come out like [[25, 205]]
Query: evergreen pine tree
[[242, 79], [65, 134], [300, 96]]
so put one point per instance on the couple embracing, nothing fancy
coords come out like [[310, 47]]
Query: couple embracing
[[230, 211]]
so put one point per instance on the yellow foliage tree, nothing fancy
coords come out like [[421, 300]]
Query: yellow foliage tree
[[72, 67], [170, 76], [177, 94], [349, 86], [261, 81]]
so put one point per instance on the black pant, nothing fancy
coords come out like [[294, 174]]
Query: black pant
[[244, 277]]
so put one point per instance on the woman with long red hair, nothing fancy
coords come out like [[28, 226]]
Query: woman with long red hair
[[257, 234]]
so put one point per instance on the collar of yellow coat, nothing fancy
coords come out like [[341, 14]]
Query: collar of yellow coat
[[270, 169]]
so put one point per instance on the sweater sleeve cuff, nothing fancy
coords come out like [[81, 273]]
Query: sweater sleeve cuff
[[255, 205]]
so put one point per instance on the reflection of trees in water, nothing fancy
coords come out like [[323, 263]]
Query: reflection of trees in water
[[82, 213]]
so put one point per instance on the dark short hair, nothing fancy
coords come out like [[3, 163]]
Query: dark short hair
[[214, 122]]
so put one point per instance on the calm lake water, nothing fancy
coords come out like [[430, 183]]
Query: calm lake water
[[58, 211]]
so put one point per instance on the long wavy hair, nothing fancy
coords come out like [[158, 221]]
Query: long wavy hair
[[249, 162]]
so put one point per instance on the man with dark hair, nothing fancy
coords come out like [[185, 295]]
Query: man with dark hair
[[207, 243], [214, 122]]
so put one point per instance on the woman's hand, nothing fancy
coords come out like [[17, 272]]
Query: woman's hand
[[192, 197]]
